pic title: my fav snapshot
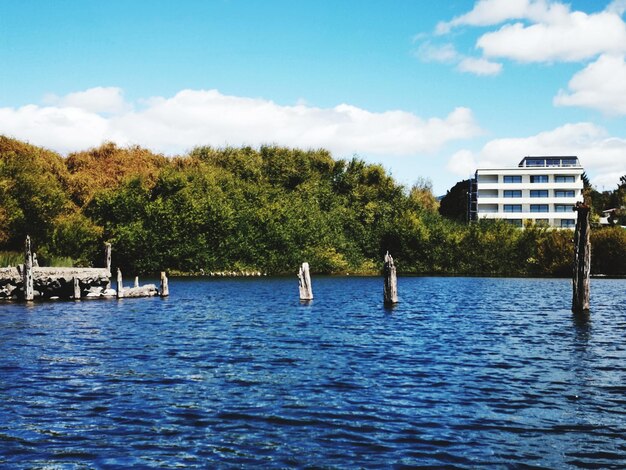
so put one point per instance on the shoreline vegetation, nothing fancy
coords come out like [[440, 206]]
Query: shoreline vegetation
[[262, 210]]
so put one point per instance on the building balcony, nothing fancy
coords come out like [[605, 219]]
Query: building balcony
[[526, 215], [528, 186], [528, 200]]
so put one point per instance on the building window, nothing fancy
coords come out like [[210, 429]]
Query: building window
[[568, 223], [558, 193], [539, 178], [513, 179], [512, 208], [562, 208], [515, 222], [569, 162], [564, 179], [535, 162], [512, 193], [553, 162], [538, 208], [538, 193]]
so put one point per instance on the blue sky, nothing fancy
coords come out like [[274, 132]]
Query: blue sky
[[427, 89]]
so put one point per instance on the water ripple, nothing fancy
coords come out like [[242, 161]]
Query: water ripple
[[236, 373]]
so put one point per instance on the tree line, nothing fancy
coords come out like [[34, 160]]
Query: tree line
[[264, 209]]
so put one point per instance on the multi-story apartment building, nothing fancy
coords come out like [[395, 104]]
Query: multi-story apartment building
[[543, 190]]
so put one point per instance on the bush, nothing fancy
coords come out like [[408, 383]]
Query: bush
[[608, 251]]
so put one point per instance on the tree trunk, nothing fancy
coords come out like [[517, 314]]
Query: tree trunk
[[582, 260]]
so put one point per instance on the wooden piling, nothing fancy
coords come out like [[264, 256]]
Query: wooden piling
[[304, 282], [35, 261], [107, 256], [391, 281], [582, 260], [136, 281], [76, 288], [27, 277], [107, 263], [165, 290], [120, 284]]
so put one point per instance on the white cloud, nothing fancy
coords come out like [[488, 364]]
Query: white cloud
[[544, 30], [479, 66], [489, 12], [572, 37], [207, 117], [462, 163], [101, 100], [601, 85], [494, 12], [445, 53], [548, 31], [617, 6], [61, 129], [602, 156]]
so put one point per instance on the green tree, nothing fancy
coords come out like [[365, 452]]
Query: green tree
[[608, 251], [455, 203]]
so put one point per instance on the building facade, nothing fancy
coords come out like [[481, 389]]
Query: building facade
[[542, 190]]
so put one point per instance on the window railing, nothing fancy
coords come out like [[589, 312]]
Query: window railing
[[549, 162]]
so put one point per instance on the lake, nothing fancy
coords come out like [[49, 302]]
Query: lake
[[463, 373]]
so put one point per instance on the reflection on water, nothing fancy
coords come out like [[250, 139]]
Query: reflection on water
[[463, 372], [582, 326]]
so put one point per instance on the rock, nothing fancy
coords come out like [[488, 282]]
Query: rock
[[148, 290]]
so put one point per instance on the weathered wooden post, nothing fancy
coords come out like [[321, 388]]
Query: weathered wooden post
[[107, 262], [120, 284], [165, 290], [107, 256], [391, 282], [27, 275], [582, 260], [136, 281], [76, 288], [35, 261], [304, 282]]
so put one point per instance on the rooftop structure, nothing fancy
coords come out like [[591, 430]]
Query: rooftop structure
[[541, 189]]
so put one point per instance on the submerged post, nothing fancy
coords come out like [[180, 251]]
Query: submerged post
[[27, 276], [391, 282], [120, 285], [304, 282], [582, 260], [165, 290]]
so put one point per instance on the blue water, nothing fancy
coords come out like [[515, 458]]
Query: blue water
[[464, 372]]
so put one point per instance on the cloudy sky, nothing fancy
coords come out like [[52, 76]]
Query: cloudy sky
[[427, 89]]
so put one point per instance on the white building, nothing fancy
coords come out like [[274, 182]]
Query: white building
[[540, 189]]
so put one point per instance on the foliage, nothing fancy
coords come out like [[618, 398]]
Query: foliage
[[266, 209], [76, 236], [33, 184], [10, 258], [605, 200], [608, 253], [107, 166], [454, 204]]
